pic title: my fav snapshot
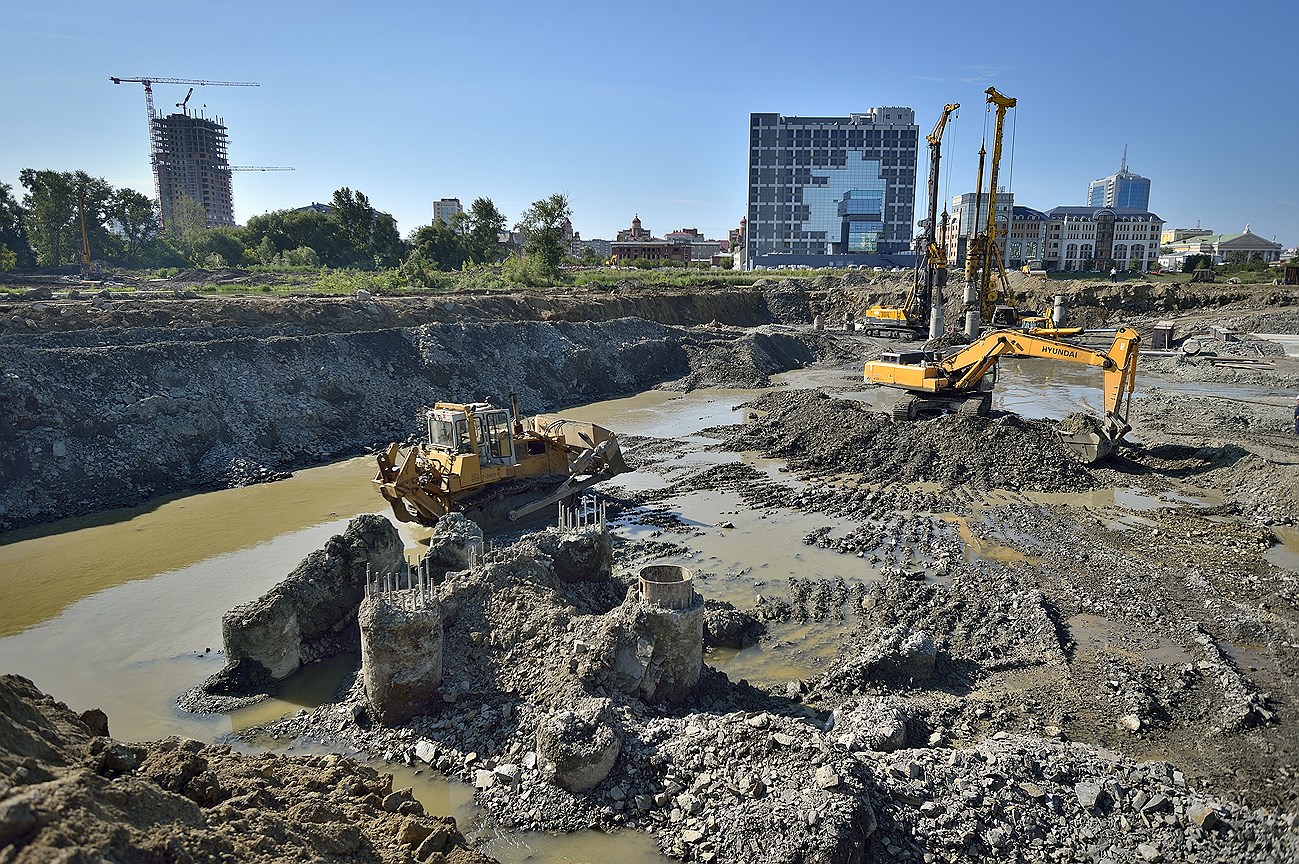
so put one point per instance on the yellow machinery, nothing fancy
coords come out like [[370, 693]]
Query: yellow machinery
[[87, 263], [964, 381], [493, 467], [912, 318], [982, 254]]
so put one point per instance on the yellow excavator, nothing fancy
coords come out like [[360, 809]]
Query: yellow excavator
[[911, 319], [964, 381], [493, 466]]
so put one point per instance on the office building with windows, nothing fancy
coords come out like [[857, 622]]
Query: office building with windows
[[444, 209], [1123, 190], [831, 191]]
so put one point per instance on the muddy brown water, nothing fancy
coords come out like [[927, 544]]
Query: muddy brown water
[[122, 611]]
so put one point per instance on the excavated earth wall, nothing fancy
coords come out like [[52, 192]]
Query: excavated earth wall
[[205, 394]]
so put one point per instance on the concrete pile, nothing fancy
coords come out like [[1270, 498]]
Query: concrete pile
[[309, 616]]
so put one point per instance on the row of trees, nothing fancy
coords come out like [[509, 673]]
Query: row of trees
[[44, 230]]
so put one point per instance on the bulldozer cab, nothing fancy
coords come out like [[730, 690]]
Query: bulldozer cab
[[489, 435]]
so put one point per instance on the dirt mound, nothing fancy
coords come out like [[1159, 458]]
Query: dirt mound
[[71, 795], [821, 435]]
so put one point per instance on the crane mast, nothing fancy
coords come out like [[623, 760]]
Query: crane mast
[[983, 254]]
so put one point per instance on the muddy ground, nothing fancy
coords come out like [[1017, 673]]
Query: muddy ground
[[1029, 674]]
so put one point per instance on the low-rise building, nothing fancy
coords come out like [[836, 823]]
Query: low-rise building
[[637, 244], [1223, 248], [1176, 235]]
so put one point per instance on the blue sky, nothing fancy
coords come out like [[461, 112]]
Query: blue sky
[[643, 108]]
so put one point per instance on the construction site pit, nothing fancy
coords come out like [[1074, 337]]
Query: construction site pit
[[947, 640]]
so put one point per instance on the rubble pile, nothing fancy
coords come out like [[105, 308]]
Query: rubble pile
[[71, 793], [1017, 797], [821, 435]]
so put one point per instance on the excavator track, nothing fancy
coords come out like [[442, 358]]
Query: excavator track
[[905, 409]]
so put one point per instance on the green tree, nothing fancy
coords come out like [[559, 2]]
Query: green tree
[[137, 219], [590, 256], [187, 227], [13, 233], [224, 242], [53, 219], [441, 246], [372, 236], [482, 228], [284, 230], [8, 258], [543, 226]]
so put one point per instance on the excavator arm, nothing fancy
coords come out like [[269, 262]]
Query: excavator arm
[[963, 375]]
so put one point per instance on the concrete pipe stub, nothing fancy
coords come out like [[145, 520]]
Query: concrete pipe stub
[[667, 586]]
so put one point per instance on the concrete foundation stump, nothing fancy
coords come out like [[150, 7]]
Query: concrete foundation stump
[[401, 653]]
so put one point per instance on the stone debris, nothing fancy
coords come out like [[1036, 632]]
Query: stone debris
[[819, 435], [70, 794]]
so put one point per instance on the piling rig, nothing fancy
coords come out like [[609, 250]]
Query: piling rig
[[964, 381], [493, 466], [982, 255], [912, 318]]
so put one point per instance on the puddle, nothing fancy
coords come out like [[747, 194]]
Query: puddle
[[791, 651], [1253, 661], [43, 571], [1095, 634], [310, 687], [757, 555], [1131, 523], [989, 548], [1286, 553]]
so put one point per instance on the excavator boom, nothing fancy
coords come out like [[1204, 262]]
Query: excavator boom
[[968, 375]]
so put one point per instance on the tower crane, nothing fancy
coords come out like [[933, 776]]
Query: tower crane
[[982, 254], [151, 115], [913, 316]]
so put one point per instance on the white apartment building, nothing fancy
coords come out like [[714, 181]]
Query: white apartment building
[[444, 209], [1084, 238]]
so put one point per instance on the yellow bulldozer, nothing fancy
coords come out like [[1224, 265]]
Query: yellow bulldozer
[[964, 381], [493, 466]]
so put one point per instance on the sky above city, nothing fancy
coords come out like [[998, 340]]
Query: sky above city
[[643, 108]]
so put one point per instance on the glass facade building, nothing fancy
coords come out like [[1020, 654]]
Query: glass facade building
[[1123, 189], [830, 186]]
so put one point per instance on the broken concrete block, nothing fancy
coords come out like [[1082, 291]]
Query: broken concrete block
[[580, 745], [1089, 794], [315, 601]]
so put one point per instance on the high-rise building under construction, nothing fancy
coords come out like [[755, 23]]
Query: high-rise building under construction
[[191, 160]]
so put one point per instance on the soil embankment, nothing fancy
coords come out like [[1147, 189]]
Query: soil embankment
[[112, 402], [70, 793]]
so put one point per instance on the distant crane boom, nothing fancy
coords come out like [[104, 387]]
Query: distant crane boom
[[259, 168], [153, 131]]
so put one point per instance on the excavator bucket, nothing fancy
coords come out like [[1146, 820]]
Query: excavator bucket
[[1091, 438], [1090, 446]]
